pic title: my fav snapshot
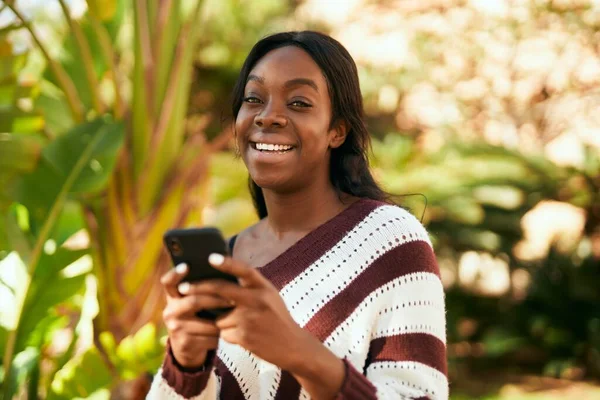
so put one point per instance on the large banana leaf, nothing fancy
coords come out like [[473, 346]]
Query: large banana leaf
[[81, 161]]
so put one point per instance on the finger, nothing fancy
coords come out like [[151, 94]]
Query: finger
[[193, 326], [228, 291], [171, 279], [226, 321], [187, 306], [231, 336], [194, 303], [206, 289], [248, 276]]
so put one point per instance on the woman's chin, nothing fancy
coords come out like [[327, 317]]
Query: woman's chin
[[274, 183]]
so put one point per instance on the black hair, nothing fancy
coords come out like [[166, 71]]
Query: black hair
[[349, 168]]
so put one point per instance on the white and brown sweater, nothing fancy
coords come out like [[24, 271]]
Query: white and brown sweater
[[367, 284]]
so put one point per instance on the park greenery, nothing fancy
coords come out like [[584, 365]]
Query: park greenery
[[115, 127]]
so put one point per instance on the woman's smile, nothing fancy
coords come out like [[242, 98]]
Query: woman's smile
[[262, 153]]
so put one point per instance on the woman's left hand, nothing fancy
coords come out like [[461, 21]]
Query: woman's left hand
[[260, 321]]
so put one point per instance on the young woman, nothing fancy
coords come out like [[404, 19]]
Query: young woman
[[339, 293]]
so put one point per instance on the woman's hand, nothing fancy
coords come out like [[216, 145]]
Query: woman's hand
[[261, 323], [189, 336]]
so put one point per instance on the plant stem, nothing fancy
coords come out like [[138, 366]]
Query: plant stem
[[63, 78], [146, 47], [109, 55], [86, 57]]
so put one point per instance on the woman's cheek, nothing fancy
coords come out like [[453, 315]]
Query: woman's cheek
[[244, 119]]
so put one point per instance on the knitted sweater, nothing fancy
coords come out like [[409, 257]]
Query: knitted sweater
[[366, 283]]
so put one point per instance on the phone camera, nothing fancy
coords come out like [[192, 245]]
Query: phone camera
[[176, 247]]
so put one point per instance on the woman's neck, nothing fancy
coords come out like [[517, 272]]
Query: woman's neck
[[302, 212]]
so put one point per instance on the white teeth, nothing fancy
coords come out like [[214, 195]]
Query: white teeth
[[272, 147]]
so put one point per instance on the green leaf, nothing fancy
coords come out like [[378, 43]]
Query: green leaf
[[3, 338], [14, 120], [19, 152], [170, 126], [81, 376], [52, 104], [10, 62], [50, 265], [104, 10], [499, 342], [46, 327], [70, 59], [62, 156], [41, 299], [93, 146], [14, 227], [167, 45], [24, 363], [69, 222], [140, 353], [141, 118]]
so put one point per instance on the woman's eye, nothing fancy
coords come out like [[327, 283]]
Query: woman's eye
[[299, 103], [251, 99]]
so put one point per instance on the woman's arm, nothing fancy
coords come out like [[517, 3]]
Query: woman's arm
[[175, 382], [187, 369], [407, 351]]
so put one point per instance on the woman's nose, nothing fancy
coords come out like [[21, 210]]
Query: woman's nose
[[269, 117]]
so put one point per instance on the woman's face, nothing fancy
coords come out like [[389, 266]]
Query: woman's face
[[283, 124]]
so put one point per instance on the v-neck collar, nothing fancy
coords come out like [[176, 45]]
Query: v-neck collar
[[299, 256]]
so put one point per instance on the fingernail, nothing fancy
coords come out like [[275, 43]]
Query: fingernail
[[181, 268], [216, 259], [183, 288]]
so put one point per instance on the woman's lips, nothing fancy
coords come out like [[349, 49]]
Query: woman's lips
[[259, 155]]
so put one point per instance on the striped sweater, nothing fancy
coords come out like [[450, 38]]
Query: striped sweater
[[366, 283]]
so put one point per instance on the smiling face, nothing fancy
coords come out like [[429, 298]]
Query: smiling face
[[283, 125]]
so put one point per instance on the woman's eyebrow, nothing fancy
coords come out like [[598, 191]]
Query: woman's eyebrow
[[302, 81], [288, 84], [255, 78]]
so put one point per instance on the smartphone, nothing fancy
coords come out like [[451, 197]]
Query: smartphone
[[192, 247]]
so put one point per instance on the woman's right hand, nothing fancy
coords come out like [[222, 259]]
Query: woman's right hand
[[189, 336]]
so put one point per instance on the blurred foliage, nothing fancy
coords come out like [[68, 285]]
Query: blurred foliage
[[96, 165]]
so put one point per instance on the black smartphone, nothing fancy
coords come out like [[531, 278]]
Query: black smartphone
[[192, 247]]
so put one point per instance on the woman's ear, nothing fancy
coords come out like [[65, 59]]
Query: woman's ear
[[338, 134]]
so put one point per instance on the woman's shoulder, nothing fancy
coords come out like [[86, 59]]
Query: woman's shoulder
[[242, 238], [395, 221]]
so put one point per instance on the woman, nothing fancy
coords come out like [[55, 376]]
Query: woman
[[339, 294]]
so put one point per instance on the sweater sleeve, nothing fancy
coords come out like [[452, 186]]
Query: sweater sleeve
[[407, 351], [175, 382]]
